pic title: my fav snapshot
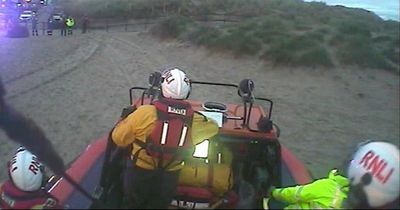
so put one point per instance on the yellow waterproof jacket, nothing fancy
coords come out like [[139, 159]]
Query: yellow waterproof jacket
[[324, 193], [139, 125]]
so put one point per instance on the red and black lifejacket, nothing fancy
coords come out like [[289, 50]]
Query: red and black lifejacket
[[13, 198], [171, 137]]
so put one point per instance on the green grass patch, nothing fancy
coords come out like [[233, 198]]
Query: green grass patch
[[359, 50], [298, 50], [295, 43], [238, 42], [172, 27], [203, 35], [348, 27], [271, 29], [315, 35], [383, 38], [315, 56], [392, 53]]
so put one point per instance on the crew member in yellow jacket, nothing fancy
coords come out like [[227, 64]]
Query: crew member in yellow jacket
[[161, 135], [326, 193]]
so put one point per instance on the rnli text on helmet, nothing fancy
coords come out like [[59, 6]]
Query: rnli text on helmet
[[168, 78], [34, 166], [377, 165]]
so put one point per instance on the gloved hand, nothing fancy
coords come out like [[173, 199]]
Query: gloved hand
[[264, 124], [267, 196], [268, 192], [53, 161], [127, 111]]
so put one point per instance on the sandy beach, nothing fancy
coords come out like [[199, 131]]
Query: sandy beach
[[75, 87]]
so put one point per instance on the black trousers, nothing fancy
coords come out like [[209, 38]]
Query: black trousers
[[63, 32], [35, 32], [149, 189]]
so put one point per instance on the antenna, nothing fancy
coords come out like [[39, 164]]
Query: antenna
[[154, 85], [155, 79], [245, 91]]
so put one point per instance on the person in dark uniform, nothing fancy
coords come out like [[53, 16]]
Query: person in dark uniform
[[49, 27], [34, 26], [64, 26], [85, 24], [25, 132]]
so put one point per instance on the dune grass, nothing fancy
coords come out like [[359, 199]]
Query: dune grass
[[173, 27], [286, 32], [359, 50], [298, 51], [301, 41]]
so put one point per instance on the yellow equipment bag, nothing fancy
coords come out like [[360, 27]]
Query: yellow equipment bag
[[215, 174]]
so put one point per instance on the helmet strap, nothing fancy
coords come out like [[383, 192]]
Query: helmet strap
[[357, 196], [190, 89]]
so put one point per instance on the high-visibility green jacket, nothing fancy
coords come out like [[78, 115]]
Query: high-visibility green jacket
[[70, 22], [324, 193]]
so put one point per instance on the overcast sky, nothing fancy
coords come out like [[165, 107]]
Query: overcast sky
[[386, 9]]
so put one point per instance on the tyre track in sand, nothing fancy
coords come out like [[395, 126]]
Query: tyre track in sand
[[131, 61], [52, 63], [26, 83]]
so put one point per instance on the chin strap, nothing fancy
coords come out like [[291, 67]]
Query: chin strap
[[357, 196]]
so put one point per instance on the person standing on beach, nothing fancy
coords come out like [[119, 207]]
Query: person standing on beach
[[70, 22], [85, 24], [64, 27], [34, 26]]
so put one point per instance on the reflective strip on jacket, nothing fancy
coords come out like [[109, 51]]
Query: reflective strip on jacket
[[139, 125], [321, 194]]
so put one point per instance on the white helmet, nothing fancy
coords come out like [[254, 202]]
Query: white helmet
[[175, 84], [375, 167], [25, 171]]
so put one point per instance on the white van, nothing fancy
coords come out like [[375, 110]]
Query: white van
[[25, 16]]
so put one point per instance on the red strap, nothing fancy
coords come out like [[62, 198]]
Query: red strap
[[21, 199], [171, 134]]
